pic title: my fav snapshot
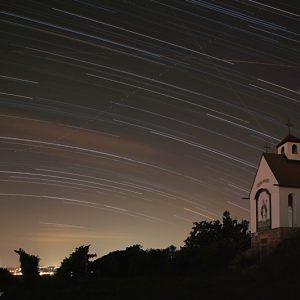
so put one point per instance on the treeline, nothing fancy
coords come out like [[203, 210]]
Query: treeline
[[211, 245], [215, 259]]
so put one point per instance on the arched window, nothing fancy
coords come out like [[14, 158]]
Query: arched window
[[291, 210], [294, 149], [282, 150]]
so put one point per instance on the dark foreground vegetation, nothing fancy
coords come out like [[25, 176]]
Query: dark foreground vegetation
[[214, 263]]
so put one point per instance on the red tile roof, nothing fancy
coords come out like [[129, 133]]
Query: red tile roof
[[287, 172]]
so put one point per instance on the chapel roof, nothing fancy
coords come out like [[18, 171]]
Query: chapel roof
[[289, 138], [286, 171]]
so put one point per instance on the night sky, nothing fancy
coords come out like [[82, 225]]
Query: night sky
[[122, 122]]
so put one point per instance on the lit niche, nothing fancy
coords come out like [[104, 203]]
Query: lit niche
[[263, 210]]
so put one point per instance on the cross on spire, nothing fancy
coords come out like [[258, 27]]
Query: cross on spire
[[289, 125]]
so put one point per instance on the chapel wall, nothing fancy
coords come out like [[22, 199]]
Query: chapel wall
[[284, 194], [264, 180]]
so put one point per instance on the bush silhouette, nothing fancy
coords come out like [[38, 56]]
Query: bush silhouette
[[6, 278], [134, 261]]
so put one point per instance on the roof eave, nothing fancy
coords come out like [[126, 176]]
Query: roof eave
[[287, 185]]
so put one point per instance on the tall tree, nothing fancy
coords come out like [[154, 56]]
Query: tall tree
[[214, 244], [29, 265], [77, 264]]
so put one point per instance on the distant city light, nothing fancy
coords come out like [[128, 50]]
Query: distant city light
[[50, 271]]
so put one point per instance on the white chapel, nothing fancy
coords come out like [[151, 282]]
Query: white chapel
[[275, 196]]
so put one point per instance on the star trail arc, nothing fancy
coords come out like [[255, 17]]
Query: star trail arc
[[137, 117]]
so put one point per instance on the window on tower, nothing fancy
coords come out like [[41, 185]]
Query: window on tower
[[282, 150]]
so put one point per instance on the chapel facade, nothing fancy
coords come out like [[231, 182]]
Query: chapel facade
[[275, 196]]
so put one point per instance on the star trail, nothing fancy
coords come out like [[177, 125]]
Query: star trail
[[122, 122]]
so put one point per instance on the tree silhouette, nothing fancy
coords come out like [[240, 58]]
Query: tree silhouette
[[29, 265], [230, 232], [213, 244], [77, 264]]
